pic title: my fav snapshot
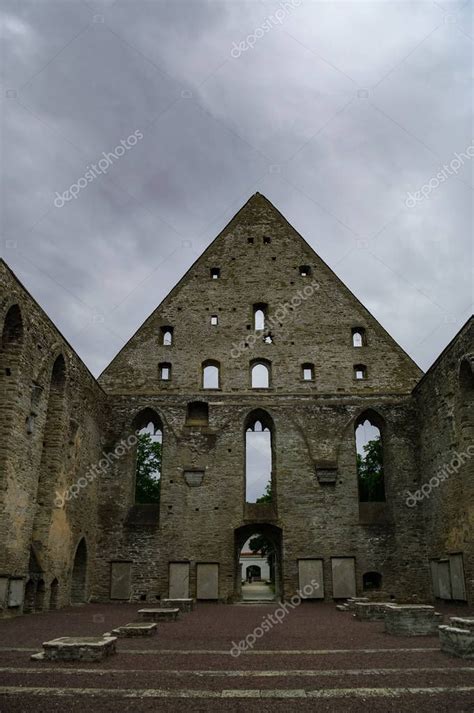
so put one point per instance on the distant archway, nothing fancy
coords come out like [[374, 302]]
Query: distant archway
[[79, 574]]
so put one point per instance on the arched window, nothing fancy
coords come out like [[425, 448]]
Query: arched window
[[12, 327], [165, 371], [210, 375], [307, 372], [360, 372], [371, 580], [260, 374], [358, 337], [258, 457], [259, 316], [167, 336], [12, 340], [149, 430], [369, 457], [197, 414]]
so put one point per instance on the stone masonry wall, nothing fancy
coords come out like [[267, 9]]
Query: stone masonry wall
[[44, 449], [445, 401]]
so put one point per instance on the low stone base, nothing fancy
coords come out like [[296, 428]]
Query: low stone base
[[457, 642], [342, 607], [162, 614], [411, 620], [461, 622], [370, 611], [77, 648], [136, 628], [184, 605], [352, 601]]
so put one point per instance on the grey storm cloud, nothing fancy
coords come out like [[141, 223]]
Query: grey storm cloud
[[335, 111]]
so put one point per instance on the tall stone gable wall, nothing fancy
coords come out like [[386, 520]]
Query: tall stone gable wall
[[259, 256], [315, 512]]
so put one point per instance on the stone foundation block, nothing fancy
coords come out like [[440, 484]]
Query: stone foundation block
[[135, 628], [161, 614], [78, 648], [457, 642], [370, 611], [184, 605], [411, 620], [461, 622]]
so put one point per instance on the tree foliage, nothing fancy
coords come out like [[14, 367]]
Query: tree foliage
[[267, 495], [147, 489], [370, 472], [260, 544]]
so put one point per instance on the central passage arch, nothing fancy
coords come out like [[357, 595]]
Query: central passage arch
[[274, 537]]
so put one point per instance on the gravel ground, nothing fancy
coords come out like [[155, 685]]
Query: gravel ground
[[317, 659]]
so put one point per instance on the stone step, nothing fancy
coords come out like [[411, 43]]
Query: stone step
[[135, 628], [159, 614], [184, 605], [370, 611], [77, 648]]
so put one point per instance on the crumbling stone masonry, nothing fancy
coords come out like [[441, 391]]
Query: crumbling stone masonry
[[69, 525]]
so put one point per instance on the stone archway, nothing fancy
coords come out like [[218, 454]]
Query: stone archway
[[79, 574], [274, 536]]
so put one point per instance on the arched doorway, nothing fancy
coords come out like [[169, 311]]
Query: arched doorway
[[40, 595], [258, 562], [29, 601], [79, 574]]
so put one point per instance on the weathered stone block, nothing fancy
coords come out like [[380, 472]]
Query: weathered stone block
[[370, 611], [161, 614], [462, 622], [456, 642], [184, 605], [411, 620], [135, 628], [352, 601], [77, 648]]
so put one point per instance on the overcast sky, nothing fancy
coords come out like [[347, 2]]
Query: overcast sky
[[333, 110]]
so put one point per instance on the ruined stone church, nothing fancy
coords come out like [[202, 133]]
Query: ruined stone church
[[259, 335]]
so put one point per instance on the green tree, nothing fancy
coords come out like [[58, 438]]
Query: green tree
[[260, 544], [370, 472], [147, 489], [267, 495]]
